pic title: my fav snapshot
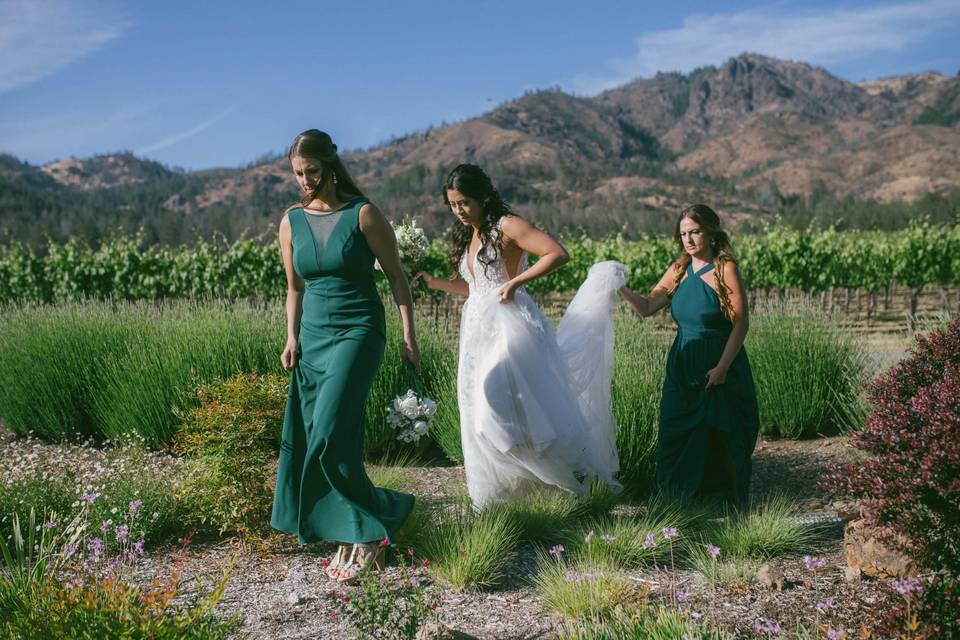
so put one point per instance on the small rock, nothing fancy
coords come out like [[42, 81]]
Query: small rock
[[852, 574], [294, 598], [769, 576], [876, 552]]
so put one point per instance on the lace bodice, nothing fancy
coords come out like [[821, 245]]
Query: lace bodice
[[490, 278]]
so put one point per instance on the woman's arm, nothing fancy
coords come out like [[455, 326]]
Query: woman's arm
[[294, 302], [457, 286], [741, 322], [658, 298], [383, 243], [551, 253]]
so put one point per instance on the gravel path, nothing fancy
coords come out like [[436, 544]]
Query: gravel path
[[284, 594]]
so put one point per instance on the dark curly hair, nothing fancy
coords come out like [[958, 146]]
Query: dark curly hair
[[719, 241], [473, 182]]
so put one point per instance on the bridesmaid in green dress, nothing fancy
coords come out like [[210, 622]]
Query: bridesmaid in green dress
[[708, 414], [335, 343]]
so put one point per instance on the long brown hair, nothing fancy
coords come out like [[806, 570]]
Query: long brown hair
[[316, 145], [473, 182], [719, 241]]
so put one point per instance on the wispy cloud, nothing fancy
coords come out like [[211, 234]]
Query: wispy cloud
[[183, 135], [821, 38], [40, 37]]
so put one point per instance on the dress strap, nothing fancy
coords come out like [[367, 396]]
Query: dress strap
[[704, 269], [298, 221]]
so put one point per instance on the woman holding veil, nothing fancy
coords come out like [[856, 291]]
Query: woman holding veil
[[534, 405]]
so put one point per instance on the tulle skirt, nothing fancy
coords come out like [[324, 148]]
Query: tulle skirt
[[535, 404]]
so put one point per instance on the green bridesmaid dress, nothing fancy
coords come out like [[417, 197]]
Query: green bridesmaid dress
[[706, 436], [323, 492]]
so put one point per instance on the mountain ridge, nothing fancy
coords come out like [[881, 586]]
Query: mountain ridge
[[742, 135]]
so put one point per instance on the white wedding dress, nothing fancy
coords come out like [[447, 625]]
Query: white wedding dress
[[534, 405]]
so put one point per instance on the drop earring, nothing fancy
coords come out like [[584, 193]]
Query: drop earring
[[334, 178]]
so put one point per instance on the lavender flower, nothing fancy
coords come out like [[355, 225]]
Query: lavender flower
[[826, 605], [649, 542], [907, 586], [556, 550], [836, 634], [669, 532], [714, 551], [811, 562], [123, 532], [608, 538], [768, 627], [414, 581], [89, 497], [49, 524], [96, 546], [134, 509], [683, 596]]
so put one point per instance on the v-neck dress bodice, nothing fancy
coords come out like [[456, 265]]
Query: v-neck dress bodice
[[323, 492]]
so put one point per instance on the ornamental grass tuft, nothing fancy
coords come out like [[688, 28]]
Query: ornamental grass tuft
[[470, 550]]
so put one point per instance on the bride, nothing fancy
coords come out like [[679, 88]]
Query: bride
[[534, 406]]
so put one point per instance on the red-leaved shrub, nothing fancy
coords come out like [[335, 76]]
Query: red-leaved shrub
[[910, 479]]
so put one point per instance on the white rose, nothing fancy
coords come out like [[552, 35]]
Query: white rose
[[420, 428], [428, 407], [409, 406]]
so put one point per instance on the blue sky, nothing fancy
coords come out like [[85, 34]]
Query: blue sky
[[200, 84]]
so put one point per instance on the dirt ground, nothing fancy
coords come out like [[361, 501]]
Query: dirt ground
[[284, 593]]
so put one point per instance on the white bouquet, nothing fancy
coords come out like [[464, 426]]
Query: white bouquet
[[412, 245], [410, 415]]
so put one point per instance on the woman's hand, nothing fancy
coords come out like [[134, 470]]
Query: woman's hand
[[716, 377], [426, 277], [507, 291], [411, 352], [289, 356]]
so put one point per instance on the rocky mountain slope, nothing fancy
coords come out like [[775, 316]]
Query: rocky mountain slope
[[742, 136]]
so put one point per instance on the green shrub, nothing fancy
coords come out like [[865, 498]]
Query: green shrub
[[115, 370], [723, 570], [51, 367], [770, 529], [647, 622], [808, 372], [630, 542], [639, 370], [540, 515], [230, 439], [389, 607], [52, 478], [468, 550], [174, 350], [112, 609], [579, 588]]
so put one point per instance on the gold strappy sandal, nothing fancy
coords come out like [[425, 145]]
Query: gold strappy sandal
[[337, 562], [363, 558]]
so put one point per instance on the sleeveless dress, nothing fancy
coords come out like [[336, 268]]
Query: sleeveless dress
[[706, 436], [322, 491], [534, 405]]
